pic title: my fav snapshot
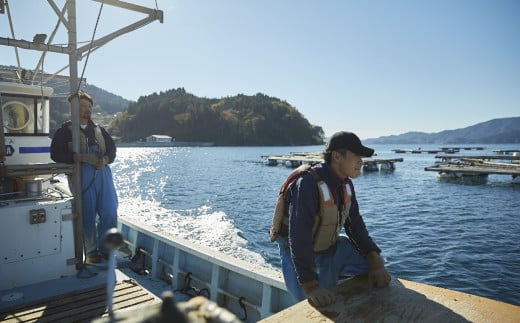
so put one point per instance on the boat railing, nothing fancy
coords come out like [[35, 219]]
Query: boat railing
[[250, 291], [38, 169]]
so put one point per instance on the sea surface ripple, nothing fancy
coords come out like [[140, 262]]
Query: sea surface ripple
[[458, 235]]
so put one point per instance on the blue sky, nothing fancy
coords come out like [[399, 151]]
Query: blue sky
[[373, 67]]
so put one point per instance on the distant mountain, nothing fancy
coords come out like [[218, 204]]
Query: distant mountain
[[496, 131]]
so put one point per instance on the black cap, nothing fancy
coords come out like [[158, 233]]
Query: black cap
[[348, 140]]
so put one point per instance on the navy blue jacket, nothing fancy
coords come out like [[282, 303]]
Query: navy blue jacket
[[304, 204], [60, 152]]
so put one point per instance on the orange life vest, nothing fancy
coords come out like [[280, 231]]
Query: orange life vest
[[327, 222]]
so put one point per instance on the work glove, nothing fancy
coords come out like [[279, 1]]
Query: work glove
[[318, 296], [377, 275], [379, 278], [321, 297]]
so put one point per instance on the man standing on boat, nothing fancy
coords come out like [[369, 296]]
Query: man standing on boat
[[319, 203], [99, 198]]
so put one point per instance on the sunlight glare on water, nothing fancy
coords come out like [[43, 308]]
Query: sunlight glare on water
[[142, 180]]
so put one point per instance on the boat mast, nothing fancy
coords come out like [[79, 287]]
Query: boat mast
[[73, 82], [76, 54]]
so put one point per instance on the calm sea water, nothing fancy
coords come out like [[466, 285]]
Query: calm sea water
[[462, 236]]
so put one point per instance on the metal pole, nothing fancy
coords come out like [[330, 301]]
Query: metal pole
[[2, 137], [2, 143], [73, 69]]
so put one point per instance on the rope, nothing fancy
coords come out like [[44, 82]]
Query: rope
[[243, 306], [187, 288]]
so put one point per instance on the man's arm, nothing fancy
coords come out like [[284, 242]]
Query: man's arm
[[110, 146], [302, 209], [60, 152]]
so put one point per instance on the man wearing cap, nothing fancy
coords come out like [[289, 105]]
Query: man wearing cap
[[320, 203], [99, 197]]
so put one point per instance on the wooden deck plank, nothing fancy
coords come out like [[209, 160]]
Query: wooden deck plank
[[87, 314], [78, 306], [402, 301], [84, 297], [32, 306], [92, 303]]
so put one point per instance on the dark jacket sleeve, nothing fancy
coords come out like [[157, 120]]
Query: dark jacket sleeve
[[60, 146], [302, 209], [109, 145], [357, 231]]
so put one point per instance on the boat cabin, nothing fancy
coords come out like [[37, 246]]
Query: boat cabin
[[36, 231]]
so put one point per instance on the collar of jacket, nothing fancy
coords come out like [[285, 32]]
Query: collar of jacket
[[329, 176]]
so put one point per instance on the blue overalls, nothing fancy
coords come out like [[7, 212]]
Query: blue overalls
[[99, 197]]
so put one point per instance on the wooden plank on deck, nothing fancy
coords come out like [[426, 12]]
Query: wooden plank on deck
[[79, 306], [402, 301]]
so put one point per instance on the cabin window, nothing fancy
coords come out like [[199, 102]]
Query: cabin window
[[25, 115]]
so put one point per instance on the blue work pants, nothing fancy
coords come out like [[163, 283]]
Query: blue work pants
[[342, 260], [99, 205]]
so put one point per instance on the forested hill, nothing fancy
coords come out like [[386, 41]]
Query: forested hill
[[106, 105], [239, 120]]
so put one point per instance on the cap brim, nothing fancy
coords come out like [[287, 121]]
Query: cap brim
[[365, 151]]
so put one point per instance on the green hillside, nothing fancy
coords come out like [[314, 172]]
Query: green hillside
[[239, 120], [106, 106]]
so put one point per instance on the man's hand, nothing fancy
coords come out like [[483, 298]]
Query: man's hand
[[94, 160], [318, 296], [102, 161], [377, 275], [86, 158]]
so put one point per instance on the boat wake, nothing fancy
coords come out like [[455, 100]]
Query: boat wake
[[202, 225]]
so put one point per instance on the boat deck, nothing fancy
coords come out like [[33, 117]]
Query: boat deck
[[74, 299], [402, 301]]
